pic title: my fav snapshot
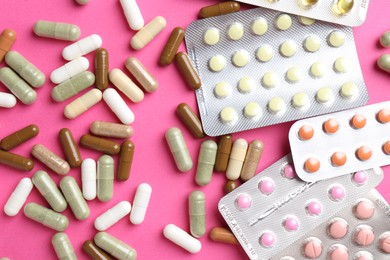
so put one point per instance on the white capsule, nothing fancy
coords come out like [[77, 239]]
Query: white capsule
[[69, 70], [7, 100], [236, 159], [182, 238], [18, 197], [118, 106], [126, 85], [82, 47], [140, 203], [88, 178], [113, 215], [133, 14]]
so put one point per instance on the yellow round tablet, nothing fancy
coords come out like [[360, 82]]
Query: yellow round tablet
[[307, 4], [317, 69], [252, 110], [211, 36], [217, 63], [283, 22], [222, 89], [300, 100], [246, 85], [336, 38], [240, 58], [276, 105], [269, 79], [294, 74], [264, 53], [342, 65], [288, 48], [306, 20], [259, 26], [312, 43], [349, 90], [235, 31], [324, 95], [228, 115]]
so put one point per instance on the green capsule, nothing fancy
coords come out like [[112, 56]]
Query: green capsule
[[179, 150], [115, 247], [46, 217], [206, 161], [63, 247], [105, 178], [17, 86], [384, 62], [385, 39], [60, 31], [74, 197], [73, 86], [197, 211]]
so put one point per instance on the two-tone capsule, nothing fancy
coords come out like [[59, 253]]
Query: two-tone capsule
[[115, 247], [50, 159], [73, 86], [206, 161], [56, 30], [148, 33], [71, 150], [223, 153], [18, 197], [83, 103], [16, 161], [74, 197], [125, 160], [82, 47], [113, 130], [252, 159], [63, 247], [140, 203], [112, 215], [172, 45], [105, 178], [88, 178], [236, 159], [7, 39], [17, 86], [197, 213], [219, 9], [143, 76], [179, 149], [101, 68], [100, 144], [190, 120], [126, 85], [19, 137], [118, 106], [94, 251], [46, 217], [188, 71], [69, 70]]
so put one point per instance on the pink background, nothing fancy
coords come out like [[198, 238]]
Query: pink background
[[24, 239]]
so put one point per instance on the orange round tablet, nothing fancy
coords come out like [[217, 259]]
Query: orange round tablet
[[358, 121], [312, 165], [386, 148], [364, 153], [331, 126], [306, 132], [338, 159], [383, 116]]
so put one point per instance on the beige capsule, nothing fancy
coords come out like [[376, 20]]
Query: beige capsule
[[148, 33], [236, 159], [143, 76], [126, 85], [83, 103], [50, 159], [113, 130], [252, 159]]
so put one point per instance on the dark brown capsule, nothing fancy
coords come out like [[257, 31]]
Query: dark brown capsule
[[219, 9], [70, 148], [172, 46], [100, 144], [188, 70], [223, 153], [223, 235], [231, 185], [19, 137], [16, 161], [190, 119], [101, 68], [94, 251], [125, 160], [252, 159]]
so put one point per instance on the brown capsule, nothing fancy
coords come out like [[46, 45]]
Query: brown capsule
[[50, 159], [100, 144], [125, 160], [188, 70], [101, 68], [94, 251], [172, 46], [19, 137], [190, 119], [252, 159], [143, 76], [224, 149], [70, 148], [16, 161], [219, 9], [7, 39], [223, 235], [231, 185]]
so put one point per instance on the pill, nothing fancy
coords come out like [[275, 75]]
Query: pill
[[338, 159], [133, 14], [63, 247], [17, 86], [100, 144], [25, 69], [48, 189], [211, 36], [386, 147], [82, 2], [246, 85], [264, 53], [325, 95], [73, 86], [182, 238], [112, 215], [288, 172], [82, 104], [383, 116], [294, 74], [88, 178], [69, 70], [330, 126], [74, 197], [336, 38], [16, 161], [384, 40], [126, 85], [384, 243], [219, 9], [283, 22], [337, 228], [349, 90], [197, 213], [188, 71], [314, 208], [312, 248], [360, 177], [105, 178], [276, 105], [270, 79], [259, 26], [7, 100], [243, 202], [140, 203], [217, 63], [288, 48], [70, 148], [363, 255], [113, 130], [252, 160], [231, 185], [252, 110], [115, 247], [363, 235], [236, 159], [240, 58], [101, 68], [142, 75], [206, 161], [18, 197], [82, 47], [19, 137], [148, 33], [363, 153], [312, 165], [266, 186], [118, 106], [125, 160], [305, 132], [358, 121], [318, 70], [190, 120], [56, 30], [222, 90], [336, 193], [46, 217], [223, 235], [179, 150], [342, 7], [50, 159], [364, 209], [338, 252], [171, 46], [312, 43], [383, 62], [267, 239], [342, 65], [228, 115], [306, 20], [307, 4], [291, 223], [7, 39], [223, 153], [235, 31], [94, 251]]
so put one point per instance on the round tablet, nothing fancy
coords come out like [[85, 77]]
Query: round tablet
[[336, 193], [336, 38], [312, 165], [342, 65], [364, 209], [312, 43], [363, 235], [246, 85], [337, 228], [235, 31], [259, 26], [363, 255], [324, 95], [360, 177], [358, 121], [291, 223], [338, 252], [287, 258], [264, 53], [349, 90], [384, 243], [288, 172], [283, 22], [288, 48], [300, 100], [338, 159], [330, 126], [269, 79], [312, 248], [228, 115], [363, 153], [305, 132], [252, 110], [276, 105], [317, 70], [240, 58], [267, 239], [211, 36], [386, 147], [217, 63], [222, 89], [314, 208], [306, 20], [307, 4], [243, 201], [342, 7], [294, 74], [383, 116], [266, 186]]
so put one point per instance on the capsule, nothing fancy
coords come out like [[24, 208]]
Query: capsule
[[50, 159], [46, 217], [384, 62], [148, 33], [231, 185], [197, 212], [105, 178], [63, 247], [71, 150], [179, 150], [172, 45], [223, 235], [69, 70], [206, 161], [125, 160], [140, 203], [385, 39], [82, 47], [182, 238], [25, 69], [113, 130], [94, 251], [19, 137], [18, 197], [118, 106], [188, 71], [101, 68], [133, 14], [74, 197], [82, 2], [17, 86], [88, 178], [223, 153], [56, 30], [7, 100], [126, 85], [219, 9], [252, 159], [143, 76], [236, 159], [112, 215], [7, 39], [100, 144], [72, 86], [115, 247], [83, 103], [48, 189], [16, 161], [190, 120]]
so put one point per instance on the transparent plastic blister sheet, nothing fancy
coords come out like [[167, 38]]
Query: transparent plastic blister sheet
[[210, 106], [291, 197]]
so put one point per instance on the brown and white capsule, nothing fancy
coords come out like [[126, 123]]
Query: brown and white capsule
[[252, 159], [50, 159], [100, 144], [16, 161], [125, 160], [223, 153], [143, 76], [190, 119], [172, 46], [101, 68], [188, 70], [113, 130], [70, 148], [19, 137]]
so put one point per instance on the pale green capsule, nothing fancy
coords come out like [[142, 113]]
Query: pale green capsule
[[179, 150], [73, 86], [74, 197], [384, 62], [60, 31], [63, 247], [385, 39], [46, 217], [206, 161], [17, 86], [105, 178], [115, 247], [197, 212]]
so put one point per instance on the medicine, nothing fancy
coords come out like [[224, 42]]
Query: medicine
[[82, 47], [55, 30], [69, 70], [115, 247], [70, 148], [18, 197], [187, 70], [148, 33], [105, 178], [7, 39], [83, 103], [100, 144], [73, 86], [133, 14], [50, 159], [88, 178], [236, 159], [74, 197], [101, 68], [252, 159], [113, 215], [95, 252], [19, 137], [118, 106], [113, 130], [140, 203], [179, 150], [25, 69], [48, 189], [125, 160], [82, 2], [231, 185], [182, 238], [126, 85], [219, 9], [223, 235], [384, 62], [385, 39], [142, 75], [190, 120], [206, 161], [223, 153], [7, 100], [172, 45], [197, 212], [63, 247], [16, 161], [46, 216], [17, 86]]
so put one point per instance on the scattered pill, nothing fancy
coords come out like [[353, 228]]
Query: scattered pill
[[190, 120], [126, 85], [325, 95], [259, 26], [318, 70], [69, 70], [188, 71], [133, 14], [276, 105], [240, 58], [307, 4], [385, 39], [118, 106], [252, 160], [197, 212], [113, 130], [338, 159], [231, 185], [342, 65], [17, 86], [363, 153], [330, 126], [223, 153], [94, 251], [171, 47], [112, 215], [312, 248], [288, 48], [140, 203], [235, 31], [18, 197], [100, 144], [283, 22], [105, 178], [337, 228], [236, 159], [182, 238], [336, 38], [219, 9], [63, 247], [73, 86], [270, 79], [148, 33], [143, 76], [206, 161], [7, 100], [291, 223], [115, 247], [82, 2], [312, 43], [74, 197], [82, 47], [217, 63], [294, 74], [101, 68], [88, 178], [7, 39], [305, 132], [312, 165], [56, 30], [125, 160], [46, 217], [363, 235], [16, 161], [222, 90], [50, 159], [364, 209], [267, 239], [83, 103], [19, 137], [70, 148], [349, 90], [383, 62], [266, 186], [211, 36], [179, 150], [342, 7], [306, 20], [314, 208], [264, 53], [223, 235]]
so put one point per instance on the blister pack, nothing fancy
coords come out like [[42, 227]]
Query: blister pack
[[261, 67], [274, 208], [331, 145], [359, 232]]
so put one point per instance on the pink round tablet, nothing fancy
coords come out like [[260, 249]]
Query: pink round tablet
[[384, 243], [312, 248], [363, 255], [291, 223], [364, 209], [266, 186], [336, 193], [267, 239], [338, 252], [364, 235], [314, 208], [360, 177], [243, 201], [338, 228], [289, 172]]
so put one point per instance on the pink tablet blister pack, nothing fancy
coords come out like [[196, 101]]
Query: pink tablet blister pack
[[274, 208], [331, 145], [359, 232]]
